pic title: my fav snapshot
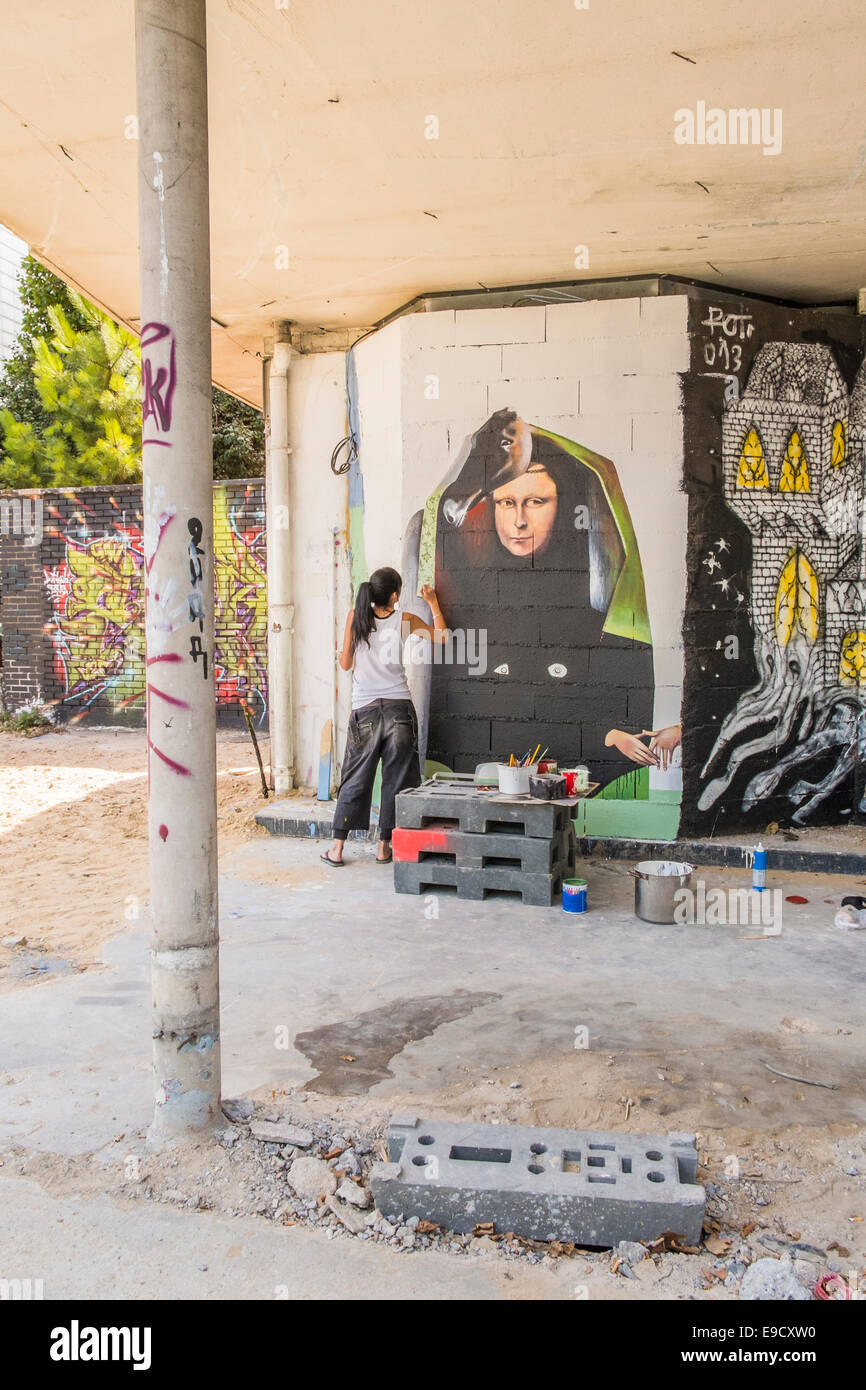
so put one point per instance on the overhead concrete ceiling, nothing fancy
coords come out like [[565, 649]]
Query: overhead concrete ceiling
[[555, 130]]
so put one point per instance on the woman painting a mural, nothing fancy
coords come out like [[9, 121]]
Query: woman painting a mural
[[532, 543], [383, 724]]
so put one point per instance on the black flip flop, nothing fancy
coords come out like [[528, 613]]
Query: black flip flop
[[388, 860], [334, 863]]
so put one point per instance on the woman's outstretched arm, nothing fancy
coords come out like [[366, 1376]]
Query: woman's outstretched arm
[[347, 655], [439, 629]]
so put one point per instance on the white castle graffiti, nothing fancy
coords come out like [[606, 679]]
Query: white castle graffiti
[[793, 451]]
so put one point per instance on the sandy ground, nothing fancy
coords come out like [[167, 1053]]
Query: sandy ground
[[73, 833]]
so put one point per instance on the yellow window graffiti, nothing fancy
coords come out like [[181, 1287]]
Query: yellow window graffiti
[[852, 664], [752, 471], [103, 631], [795, 468], [797, 600], [837, 453]]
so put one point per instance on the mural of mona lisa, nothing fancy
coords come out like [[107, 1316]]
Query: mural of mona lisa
[[530, 541]]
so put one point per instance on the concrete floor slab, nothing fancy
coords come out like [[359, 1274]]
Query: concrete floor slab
[[152, 1252], [429, 994]]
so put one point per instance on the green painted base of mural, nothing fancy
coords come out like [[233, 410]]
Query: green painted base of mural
[[655, 819]]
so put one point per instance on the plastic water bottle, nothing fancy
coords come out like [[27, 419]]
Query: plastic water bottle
[[759, 868]]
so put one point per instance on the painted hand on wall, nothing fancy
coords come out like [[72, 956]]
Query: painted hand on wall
[[664, 743], [631, 747], [660, 753]]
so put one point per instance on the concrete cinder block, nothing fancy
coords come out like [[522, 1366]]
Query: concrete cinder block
[[536, 400], [594, 1189], [434, 329], [665, 313], [500, 325], [451, 366], [524, 362], [461, 403], [633, 394], [608, 432], [657, 436], [594, 318]]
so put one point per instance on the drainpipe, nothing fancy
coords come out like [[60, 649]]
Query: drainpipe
[[281, 612], [177, 454]]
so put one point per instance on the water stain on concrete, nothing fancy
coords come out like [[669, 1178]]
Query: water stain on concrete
[[374, 1037]]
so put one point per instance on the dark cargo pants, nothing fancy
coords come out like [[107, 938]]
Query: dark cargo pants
[[386, 729]]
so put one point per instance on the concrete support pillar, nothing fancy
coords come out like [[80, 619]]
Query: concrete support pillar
[[171, 61], [281, 613]]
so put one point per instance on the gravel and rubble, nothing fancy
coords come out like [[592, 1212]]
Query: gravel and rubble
[[321, 1180]]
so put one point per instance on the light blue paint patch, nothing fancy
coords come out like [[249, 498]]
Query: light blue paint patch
[[323, 791], [357, 550], [356, 479], [313, 829], [203, 1043]]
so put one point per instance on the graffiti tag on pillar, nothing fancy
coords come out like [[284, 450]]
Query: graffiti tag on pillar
[[158, 382], [196, 603], [196, 598], [196, 650]]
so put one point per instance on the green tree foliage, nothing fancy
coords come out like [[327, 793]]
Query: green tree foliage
[[88, 381], [238, 438], [39, 290], [70, 413]]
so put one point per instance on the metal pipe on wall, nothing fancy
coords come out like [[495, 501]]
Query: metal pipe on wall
[[171, 64], [281, 613]]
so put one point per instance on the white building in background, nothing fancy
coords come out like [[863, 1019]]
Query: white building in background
[[12, 253]]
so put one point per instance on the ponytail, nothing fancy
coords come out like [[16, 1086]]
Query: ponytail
[[362, 621], [376, 591]]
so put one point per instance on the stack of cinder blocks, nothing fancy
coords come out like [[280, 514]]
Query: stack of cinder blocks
[[481, 843]]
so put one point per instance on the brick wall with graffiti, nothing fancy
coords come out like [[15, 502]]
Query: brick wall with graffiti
[[72, 603], [774, 701]]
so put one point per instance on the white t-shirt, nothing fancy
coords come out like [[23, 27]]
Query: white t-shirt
[[378, 672]]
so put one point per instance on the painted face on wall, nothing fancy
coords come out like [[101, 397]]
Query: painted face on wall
[[525, 512]]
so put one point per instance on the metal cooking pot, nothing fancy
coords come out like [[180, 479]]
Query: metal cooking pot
[[656, 881]]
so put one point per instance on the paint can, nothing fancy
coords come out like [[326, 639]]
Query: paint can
[[574, 895], [576, 780], [656, 884], [548, 787], [514, 781], [759, 868]]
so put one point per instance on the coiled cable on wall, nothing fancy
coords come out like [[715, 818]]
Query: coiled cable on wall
[[350, 444]]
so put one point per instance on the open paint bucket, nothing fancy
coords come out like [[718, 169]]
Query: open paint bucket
[[656, 883], [574, 895], [514, 781]]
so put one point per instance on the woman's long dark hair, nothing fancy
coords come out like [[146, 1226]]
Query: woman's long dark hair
[[376, 590]]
